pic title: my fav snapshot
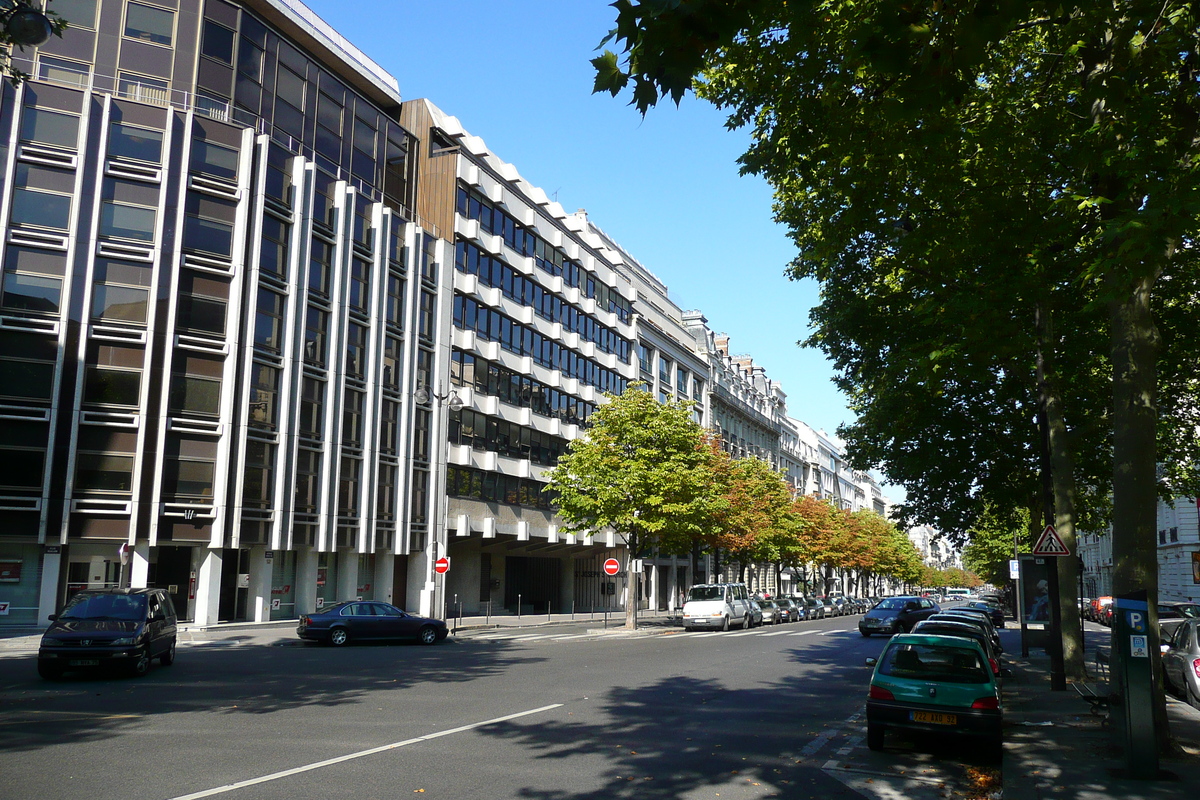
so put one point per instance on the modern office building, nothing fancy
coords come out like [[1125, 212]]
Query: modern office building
[[218, 307], [542, 326]]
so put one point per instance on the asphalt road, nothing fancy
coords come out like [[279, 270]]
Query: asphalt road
[[550, 713]]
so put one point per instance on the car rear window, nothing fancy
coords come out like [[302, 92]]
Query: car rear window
[[934, 662], [706, 593]]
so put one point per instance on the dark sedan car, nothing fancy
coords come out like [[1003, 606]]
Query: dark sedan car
[[368, 621], [995, 612], [125, 628], [896, 615]]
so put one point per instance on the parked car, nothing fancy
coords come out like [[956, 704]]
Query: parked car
[[979, 618], [717, 606], [361, 621], [996, 612], [1181, 661], [840, 604], [124, 628], [789, 610], [831, 608], [1170, 615], [812, 608], [893, 615], [771, 613], [1097, 604], [941, 627], [934, 685]]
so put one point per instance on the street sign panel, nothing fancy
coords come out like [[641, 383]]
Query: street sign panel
[[1014, 569], [612, 566], [441, 566], [1050, 544]]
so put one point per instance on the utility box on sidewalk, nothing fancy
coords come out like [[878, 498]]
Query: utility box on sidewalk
[[1033, 602]]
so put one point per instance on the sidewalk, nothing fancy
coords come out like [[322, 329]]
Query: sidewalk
[[1055, 749]]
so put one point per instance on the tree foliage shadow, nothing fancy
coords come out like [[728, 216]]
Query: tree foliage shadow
[[235, 679]]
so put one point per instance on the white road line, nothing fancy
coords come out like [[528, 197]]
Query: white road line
[[803, 633], [528, 638], [826, 633], [229, 787], [572, 636], [781, 633]]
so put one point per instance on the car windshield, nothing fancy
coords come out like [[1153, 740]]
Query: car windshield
[[934, 662], [706, 593], [1189, 610], [106, 606], [892, 603], [765, 603]]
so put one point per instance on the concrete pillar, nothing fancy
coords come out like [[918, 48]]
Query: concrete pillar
[[139, 565], [421, 586], [48, 591], [347, 574], [306, 581], [652, 593], [258, 595], [208, 587], [567, 582], [673, 584], [384, 564]]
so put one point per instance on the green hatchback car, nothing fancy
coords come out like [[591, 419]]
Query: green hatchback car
[[934, 685]]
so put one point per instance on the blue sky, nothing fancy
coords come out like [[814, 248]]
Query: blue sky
[[516, 74]]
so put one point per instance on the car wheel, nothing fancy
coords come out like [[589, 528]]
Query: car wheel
[[874, 737], [339, 637], [168, 658], [49, 670], [725, 624], [866, 634], [141, 664], [427, 635], [995, 747], [746, 623]]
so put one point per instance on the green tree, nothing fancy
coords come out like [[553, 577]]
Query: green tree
[[993, 540], [1059, 142], [642, 469], [754, 521]]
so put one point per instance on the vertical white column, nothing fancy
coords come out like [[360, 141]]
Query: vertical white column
[[385, 563], [347, 574], [208, 588], [306, 580], [139, 565], [258, 595], [48, 592]]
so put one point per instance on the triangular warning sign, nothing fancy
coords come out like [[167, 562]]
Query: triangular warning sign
[[1050, 544]]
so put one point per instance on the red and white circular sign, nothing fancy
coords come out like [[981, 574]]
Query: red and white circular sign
[[441, 566], [612, 566]]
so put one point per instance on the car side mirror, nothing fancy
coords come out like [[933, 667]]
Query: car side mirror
[[872, 662], [1163, 648], [52, 617]]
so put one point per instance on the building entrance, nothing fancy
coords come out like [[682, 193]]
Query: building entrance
[[536, 581], [172, 570]]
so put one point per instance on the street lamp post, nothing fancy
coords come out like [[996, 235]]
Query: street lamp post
[[424, 396]]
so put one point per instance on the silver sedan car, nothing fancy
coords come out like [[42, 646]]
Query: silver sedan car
[[1181, 661]]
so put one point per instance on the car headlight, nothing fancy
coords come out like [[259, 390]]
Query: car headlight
[[50, 641], [889, 620], [124, 640]]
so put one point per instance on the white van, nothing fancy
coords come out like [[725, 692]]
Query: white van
[[716, 606]]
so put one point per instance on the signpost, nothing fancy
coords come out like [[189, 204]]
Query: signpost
[[441, 566], [612, 566]]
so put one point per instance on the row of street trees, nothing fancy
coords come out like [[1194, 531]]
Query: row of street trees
[[649, 472], [1001, 202]]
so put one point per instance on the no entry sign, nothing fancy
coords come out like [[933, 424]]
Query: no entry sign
[[612, 566], [441, 566]]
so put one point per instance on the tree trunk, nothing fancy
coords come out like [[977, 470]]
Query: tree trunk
[[631, 582], [1135, 344], [1062, 478]]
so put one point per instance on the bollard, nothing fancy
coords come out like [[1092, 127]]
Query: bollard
[[488, 619], [518, 606], [548, 611], [572, 611]]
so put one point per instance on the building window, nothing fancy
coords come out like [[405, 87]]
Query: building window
[[394, 310], [79, 13], [259, 484], [308, 482], [349, 478], [149, 23], [312, 408], [273, 251], [195, 395], [217, 160], [138, 144], [218, 42], [62, 70], [41, 209], [143, 89], [201, 314], [112, 387], [188, 478], [113, 303], [360, 291], [121, 221], [318, 267], [103, 472], [356, 349], [203, 235], [21, 468], [26, 380], [264, 394], [268, 321], [50, 127], [352, 418], [389, 427], [38, 294], [316, 332]]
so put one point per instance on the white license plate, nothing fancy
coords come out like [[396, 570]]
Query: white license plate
[[84, 662]]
